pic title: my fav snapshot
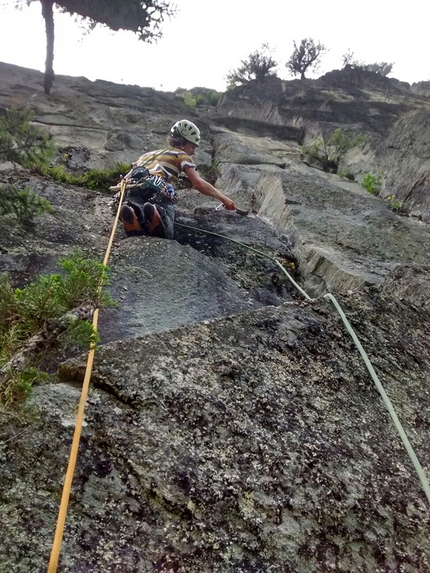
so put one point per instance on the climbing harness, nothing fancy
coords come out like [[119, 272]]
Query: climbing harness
[[146, 187]]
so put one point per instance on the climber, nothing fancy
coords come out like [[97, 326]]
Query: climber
[[148, 208]]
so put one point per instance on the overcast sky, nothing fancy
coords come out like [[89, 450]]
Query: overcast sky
[[207, 39]]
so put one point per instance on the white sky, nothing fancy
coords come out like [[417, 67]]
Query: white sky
[[207, 39]]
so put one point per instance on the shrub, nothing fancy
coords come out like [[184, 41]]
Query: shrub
[[25, 311], [372, 183], [19, 387], [341, 140], [381, 68], [329, 151], [207, 97], [188, 98], [198, 96], [23, 142], [258, 66], [80, 285], [100, 179], [394, 204], [209, 172], [22, 203]]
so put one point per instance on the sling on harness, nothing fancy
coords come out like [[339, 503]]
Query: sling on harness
[[144, 187], [149, 188]]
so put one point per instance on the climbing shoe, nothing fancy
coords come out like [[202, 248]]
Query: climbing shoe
[[129, 220], [152, 217]]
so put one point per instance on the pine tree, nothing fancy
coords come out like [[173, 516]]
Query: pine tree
[[23, 203], [23, 142]]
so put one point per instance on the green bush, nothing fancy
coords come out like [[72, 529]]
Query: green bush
[[372, 183], [23, 203], [25, 311], [19, 387], [209, 172], [81, 282], [205, 96], [96, 179], [23, 142], [198, 96], [329, 151], [394, 204], [341, 140]]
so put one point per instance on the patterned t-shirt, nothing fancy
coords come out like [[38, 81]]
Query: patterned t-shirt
[[165, 163]]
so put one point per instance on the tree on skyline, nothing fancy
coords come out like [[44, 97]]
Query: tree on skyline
[[142, 17], [307, 55], [258, 66], [381, 68]]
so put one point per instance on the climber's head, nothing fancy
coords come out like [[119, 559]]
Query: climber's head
[[183, 133]]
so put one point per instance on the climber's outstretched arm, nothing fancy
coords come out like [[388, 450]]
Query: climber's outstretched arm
[[207, 189]]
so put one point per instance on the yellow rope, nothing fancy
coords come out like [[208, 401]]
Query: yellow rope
[[59, 531]]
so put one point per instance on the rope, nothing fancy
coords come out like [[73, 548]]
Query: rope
[[385, 398], [260, 253], [419, 469], [59, 531]]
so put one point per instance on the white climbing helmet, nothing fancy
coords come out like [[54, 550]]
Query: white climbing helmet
[[188, 130]]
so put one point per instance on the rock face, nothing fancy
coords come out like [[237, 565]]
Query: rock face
[[395, 116], [231, 425]]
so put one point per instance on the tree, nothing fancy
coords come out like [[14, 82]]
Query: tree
[[24, 142], [348, 59], [306, 56], [143, 17], [381, 68], [23, 203], [258, 66]]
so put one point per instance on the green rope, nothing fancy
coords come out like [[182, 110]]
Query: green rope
[[227, 238], [419, 469], [260, 253], [298, 287], [385, 398]]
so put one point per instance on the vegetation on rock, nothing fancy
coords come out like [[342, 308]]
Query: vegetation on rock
[[23, 142], [381, 68], [258, 66], [27, 144], [23, 203], [46, 313], [198, 96], [209, 172], [395, 204], [99, 179], [329, 151], [306, 56], [372, 183]]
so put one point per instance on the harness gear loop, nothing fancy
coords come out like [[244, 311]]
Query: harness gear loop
[[59, 531]]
